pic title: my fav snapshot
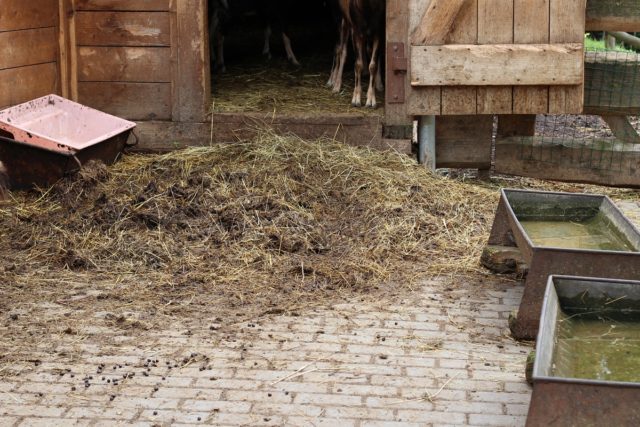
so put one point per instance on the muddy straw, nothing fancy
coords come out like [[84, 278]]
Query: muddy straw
[[269, 226]]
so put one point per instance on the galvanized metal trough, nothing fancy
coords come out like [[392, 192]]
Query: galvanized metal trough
[[46, 138], [567, 234], [587, 370]]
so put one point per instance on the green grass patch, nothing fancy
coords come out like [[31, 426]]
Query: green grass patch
[[592, 44]]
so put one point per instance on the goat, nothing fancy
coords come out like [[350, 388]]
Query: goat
[[365, 20], [272, 12]]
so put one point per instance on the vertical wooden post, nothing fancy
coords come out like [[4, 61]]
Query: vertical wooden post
[[192, 82], [397, 31], [427, 141]]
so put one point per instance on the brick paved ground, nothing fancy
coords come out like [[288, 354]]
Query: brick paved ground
[[441, 356], [357, 364]]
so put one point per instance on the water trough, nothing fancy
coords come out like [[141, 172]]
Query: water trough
[[565, 234], [587, 365]]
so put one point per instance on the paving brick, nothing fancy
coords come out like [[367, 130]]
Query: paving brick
[[360, 413], [48, 422], [8, 421], [219, 406], [102, 412], [171, 416], [365, 390], [500, 397], [496, 420], [327, 399], [320, 422], [414, 416], [246, 419], [258, 396], [31, 410]]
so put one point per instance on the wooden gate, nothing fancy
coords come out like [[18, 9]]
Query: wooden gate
[[489, 57]]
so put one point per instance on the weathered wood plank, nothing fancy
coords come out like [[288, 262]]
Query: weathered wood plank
[[531, 25], [516, 125], [437, 22], [28, 47], [464, 141], [567, 26], [122, 28], [124, 5], [232, 127], [421, 100], [133, 101], [618, 168], [613, 15], [495, 25], [622, 128], [497, 65], [26, 14], [124, 64], [462, 100], [21, 84], [193, 84]]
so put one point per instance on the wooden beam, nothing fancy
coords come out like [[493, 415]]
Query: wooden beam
[[161, 136], [497, 65], [436, 22], [622, 128], [613, 15], [616, 166]]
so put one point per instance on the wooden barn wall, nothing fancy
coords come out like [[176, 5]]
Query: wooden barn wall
[[144, 60], [29, 50]]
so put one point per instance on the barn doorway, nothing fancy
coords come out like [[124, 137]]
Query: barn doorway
[[253, 83]]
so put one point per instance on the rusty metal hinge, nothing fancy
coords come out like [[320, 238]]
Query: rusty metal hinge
[[396, 73]]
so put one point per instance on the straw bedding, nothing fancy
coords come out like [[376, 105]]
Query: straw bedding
[[268, 226]]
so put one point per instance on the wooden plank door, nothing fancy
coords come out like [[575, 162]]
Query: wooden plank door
[[495, 56]]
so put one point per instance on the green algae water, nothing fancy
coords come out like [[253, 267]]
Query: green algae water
[[597, 348], [596, 233]]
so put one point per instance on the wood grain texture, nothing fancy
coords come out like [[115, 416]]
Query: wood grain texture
[[423, 100], [232, 127], [497, 65], [21, 84], [132, 101], [531, 25], [124, 5], [26, 14], [567, 26], [437, 21], [122, 28], [28, 47], [464, 141], [457, 100], [563, 163], [124, 64], [495, 25], [193, 84]]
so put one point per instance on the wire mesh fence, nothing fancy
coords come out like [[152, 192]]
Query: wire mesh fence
[[608, 137]]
